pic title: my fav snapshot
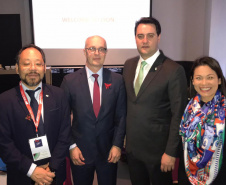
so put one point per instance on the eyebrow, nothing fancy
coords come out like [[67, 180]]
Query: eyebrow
[[146, 34], [96, 47], [27, 59], [206, 75]]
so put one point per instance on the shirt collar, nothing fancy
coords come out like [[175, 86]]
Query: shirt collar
[[151, 59], [26, 88], [89, 72]]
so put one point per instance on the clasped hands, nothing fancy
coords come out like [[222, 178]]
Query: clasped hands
[[78, 159], [42, 175]]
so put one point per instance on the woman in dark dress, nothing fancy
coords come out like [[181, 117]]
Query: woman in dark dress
[[203, 127]]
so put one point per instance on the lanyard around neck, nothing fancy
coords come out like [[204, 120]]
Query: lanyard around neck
[[37, 120]]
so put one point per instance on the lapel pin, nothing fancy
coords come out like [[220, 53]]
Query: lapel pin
[[47, 95], [156, 69]]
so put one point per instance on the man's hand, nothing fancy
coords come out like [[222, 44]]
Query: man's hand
[[114, 154], [42, 176], [167, 163], [76, 156], [45, 166]]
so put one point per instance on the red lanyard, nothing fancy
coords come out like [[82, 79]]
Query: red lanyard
[[36, 122]]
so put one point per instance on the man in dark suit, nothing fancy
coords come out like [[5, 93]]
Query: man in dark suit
[[156, 98], [34, 147], [99, 111]]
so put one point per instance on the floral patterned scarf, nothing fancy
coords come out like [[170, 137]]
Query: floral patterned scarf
[[203, 130]]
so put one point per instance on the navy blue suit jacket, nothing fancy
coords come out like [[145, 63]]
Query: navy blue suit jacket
[[16, 130], [95, 136]]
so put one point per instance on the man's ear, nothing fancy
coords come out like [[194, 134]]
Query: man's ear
[[159, 37], [84, 51], [17, 68]]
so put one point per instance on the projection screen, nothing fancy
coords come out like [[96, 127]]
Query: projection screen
[[60, 27]]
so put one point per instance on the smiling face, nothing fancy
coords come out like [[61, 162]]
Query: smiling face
[[206, 82], [31, 67], [147, 40], [95, 59]]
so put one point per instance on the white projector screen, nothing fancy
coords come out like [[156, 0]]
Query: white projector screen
[[62, 26]]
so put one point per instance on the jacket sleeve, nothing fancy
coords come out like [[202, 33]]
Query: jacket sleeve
[[65, 86], [177, 91], [9, 152], [120, 116], [61, 148]]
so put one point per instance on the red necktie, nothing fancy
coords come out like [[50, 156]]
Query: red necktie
[[96, 95]]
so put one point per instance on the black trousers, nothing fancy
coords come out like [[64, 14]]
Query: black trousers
[[145, 174], [84, 175]]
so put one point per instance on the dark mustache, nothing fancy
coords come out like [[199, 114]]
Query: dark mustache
[[33, 73]]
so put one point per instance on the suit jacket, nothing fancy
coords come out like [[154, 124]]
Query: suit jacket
[[154, 115], [16, 129], [95, 136]]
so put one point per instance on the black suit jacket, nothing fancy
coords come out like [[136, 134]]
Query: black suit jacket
[[95, 136], [16, 130], [154, 115]]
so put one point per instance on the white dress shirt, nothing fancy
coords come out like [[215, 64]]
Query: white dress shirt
[[91, 80], [150, 61]]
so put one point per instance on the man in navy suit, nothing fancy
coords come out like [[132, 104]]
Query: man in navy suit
[[34, 147], [98, 126]]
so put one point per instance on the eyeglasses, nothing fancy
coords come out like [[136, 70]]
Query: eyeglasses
[[100, 50]]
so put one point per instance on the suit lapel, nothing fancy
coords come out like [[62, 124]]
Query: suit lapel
[[48, 101], [105, 90], [85, 89], [29, 124], [131, 77], [21, 101], [155, 69]]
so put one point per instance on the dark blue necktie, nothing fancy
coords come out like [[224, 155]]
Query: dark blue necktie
[[34, 106]]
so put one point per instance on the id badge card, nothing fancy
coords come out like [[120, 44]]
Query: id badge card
[[39, 148]]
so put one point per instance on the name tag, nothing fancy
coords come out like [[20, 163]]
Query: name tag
[[39, 148]]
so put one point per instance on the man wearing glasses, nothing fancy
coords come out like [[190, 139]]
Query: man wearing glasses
[[97, 99]]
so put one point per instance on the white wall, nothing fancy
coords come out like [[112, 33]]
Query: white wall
[[192, 28], [183, 28], [217, 42]]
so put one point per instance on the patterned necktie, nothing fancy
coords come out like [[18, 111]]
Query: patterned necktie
[[34, 106], [139, 79], [96, 95]]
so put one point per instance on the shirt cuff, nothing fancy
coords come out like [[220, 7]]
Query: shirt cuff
[[73, 146], [31, 170]]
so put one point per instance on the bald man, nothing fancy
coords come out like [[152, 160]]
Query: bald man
[[97, 99]]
